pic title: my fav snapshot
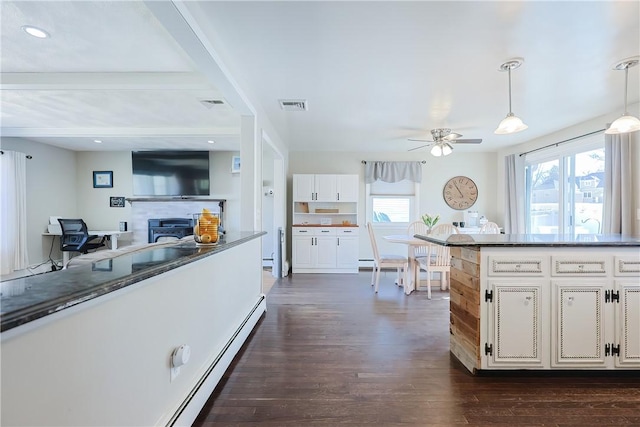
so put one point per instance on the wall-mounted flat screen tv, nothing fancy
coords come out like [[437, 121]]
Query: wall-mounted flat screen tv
[[170, 173]]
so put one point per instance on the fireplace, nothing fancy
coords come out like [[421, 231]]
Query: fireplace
[[169, 227]]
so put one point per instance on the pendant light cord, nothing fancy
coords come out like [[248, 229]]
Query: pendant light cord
[[626, 83], [510, 112]]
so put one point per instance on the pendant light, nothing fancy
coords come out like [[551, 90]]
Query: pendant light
[[511, 123], [627, 123]]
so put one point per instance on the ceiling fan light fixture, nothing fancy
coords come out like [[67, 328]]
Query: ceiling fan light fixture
[[441, 149], [511, 123], [627, 123]]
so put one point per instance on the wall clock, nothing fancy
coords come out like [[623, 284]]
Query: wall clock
[[460, 192]]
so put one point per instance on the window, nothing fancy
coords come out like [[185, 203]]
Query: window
[[556, 182], [392, 204]]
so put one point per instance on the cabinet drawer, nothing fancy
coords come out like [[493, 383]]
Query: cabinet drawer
[[325, 231], [527, 266], [347, 231], [302, 231], [587, 266], [626, 266]]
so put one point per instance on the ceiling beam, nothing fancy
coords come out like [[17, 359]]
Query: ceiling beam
[[101, 81], [121, 132]]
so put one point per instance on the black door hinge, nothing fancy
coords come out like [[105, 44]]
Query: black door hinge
[[607, 296], [615, 296], [488, 296], [607, 349], [615, 350], [488, 349]]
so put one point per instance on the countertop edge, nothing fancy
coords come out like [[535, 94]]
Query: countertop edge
[[28, 314]]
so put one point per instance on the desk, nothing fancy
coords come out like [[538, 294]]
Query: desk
[[410, 241], [111, 235]]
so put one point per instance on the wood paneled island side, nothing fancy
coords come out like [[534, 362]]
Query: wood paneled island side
[[544, 301]]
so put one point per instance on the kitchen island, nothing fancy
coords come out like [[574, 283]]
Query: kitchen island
[[94, 345], [544, 301]]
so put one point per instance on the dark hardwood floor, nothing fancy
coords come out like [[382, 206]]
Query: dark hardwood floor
[[329, 351]]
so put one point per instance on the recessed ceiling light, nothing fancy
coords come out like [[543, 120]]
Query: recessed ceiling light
[[35, 31], [97, 141], [211, 141]]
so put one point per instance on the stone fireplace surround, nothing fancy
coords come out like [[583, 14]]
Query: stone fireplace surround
[[145, 208]]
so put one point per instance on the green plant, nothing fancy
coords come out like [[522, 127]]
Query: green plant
[[429, 220]]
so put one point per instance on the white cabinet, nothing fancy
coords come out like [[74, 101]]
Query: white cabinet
[[517, 322], [325, 249], [560, 310], [347, 188]]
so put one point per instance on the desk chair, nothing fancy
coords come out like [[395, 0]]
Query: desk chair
[[400, 263], [75, 237]]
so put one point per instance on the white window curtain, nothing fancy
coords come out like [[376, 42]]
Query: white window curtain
[[514, 215], [13, 212], [620, 183], [392, 171]]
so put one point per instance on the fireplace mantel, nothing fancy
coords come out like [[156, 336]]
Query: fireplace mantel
[[173, 199]]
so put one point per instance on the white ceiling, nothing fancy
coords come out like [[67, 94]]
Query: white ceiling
[[374, 73]]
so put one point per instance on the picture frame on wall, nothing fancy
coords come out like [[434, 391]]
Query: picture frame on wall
[[116, 202], [235, 164], [102, 179]]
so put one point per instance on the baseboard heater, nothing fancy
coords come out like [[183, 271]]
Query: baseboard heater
[[198, 396]]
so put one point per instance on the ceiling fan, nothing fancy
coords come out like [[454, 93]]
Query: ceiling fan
[[442, 139]]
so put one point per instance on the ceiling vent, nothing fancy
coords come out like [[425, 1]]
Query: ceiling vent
[[293, 104], [210, 103]]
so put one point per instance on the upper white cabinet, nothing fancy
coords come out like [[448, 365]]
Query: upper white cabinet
[[325, 188], [347, 188]]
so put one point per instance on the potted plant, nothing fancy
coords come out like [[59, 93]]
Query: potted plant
[[430, 221]]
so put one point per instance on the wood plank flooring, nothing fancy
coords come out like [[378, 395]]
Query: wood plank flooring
[[329, 352]]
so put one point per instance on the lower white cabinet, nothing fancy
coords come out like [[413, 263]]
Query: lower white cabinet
[[571, 312], [325, 249]]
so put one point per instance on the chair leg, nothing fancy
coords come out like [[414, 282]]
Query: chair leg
[[377, 279], [373, 274], [428, 284]]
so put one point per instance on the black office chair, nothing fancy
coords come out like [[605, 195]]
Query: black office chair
[[75, 236]]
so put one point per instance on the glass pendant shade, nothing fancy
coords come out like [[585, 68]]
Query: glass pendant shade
[[441, 149], [510, 124], [624, 124]]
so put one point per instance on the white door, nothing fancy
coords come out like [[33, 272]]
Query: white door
[[347, 188], [628, 323], [579, 323], [516, 324], [326, 251], [347, 252], [304, 252], [303, 187], [325, 187]]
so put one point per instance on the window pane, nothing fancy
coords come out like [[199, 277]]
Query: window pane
[[391, 209], [589, 191], [543, 190]]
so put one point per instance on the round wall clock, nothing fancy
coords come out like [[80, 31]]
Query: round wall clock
[[460, 192]]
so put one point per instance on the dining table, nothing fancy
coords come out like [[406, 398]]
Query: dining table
[[414, 268]]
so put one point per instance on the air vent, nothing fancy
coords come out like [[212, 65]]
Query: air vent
[[293, 104], [210, 103]]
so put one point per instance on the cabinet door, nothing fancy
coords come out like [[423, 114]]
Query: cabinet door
[[579, 327], [628, 323], [304, 253], [303, 188], [326, 251], [516, 324], [347, 256], [347, 188], [325, 188]]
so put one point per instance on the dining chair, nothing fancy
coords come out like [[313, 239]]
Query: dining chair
[[490, 228], [415, 252], [438, 258], [399, 262]]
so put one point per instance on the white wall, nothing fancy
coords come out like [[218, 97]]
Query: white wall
[[51, 190], [481, 167]]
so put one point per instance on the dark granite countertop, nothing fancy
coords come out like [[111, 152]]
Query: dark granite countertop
[[550, 240], [29, 298]]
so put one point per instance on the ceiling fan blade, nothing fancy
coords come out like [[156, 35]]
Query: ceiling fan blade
[[467, 141], [452, 136], [421, 140], [417, 148]]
